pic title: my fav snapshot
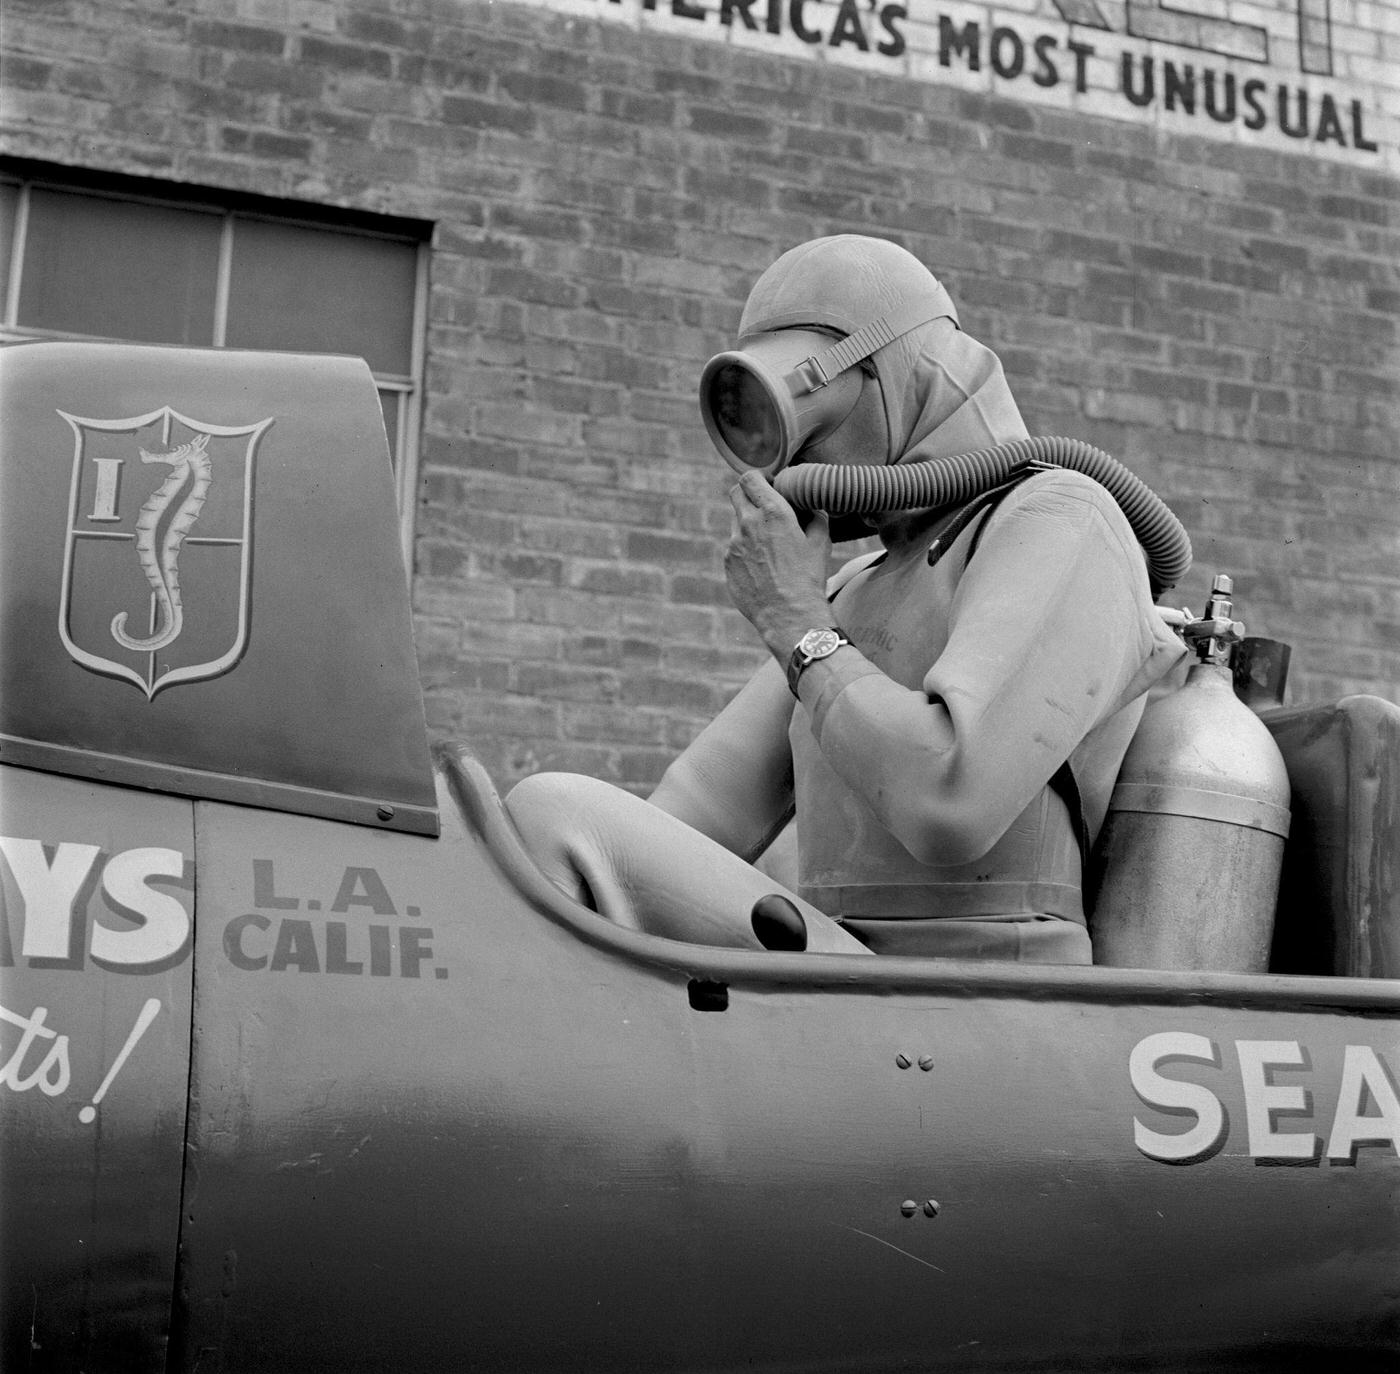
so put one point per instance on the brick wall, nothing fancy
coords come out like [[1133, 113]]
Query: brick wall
[[1223, 318]]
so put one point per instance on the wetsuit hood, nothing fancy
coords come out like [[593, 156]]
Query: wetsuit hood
[[943, 392]]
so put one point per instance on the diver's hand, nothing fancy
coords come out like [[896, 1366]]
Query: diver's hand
[[776, 573]]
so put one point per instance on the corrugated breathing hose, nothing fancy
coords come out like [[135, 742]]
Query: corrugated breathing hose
[[853, 489]]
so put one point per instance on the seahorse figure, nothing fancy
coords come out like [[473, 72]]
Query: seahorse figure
[[188, 461]]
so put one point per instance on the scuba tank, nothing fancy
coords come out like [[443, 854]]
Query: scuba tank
[[1187, 866]]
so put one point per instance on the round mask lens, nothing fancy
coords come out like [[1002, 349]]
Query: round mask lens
[[745, 416]]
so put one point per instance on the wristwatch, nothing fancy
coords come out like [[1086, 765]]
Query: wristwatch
[[815, 644]]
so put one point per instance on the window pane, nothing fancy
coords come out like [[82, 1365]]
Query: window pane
[[9, 206], [119, 269], [310, 290]]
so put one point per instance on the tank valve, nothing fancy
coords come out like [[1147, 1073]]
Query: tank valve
[[1214, 636]]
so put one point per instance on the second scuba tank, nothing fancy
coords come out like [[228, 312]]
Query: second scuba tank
[[1188, 861]]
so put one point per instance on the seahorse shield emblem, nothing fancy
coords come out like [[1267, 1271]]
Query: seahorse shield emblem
[[158, 564]]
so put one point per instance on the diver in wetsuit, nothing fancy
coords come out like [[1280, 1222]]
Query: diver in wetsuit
[[949, 749]]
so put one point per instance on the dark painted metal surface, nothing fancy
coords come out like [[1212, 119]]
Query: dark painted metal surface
[[1260, 671], [95, 959], [1339, 908], [537, 1153], [291, 681]]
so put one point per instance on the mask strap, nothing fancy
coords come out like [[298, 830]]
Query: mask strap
[[817, 371]]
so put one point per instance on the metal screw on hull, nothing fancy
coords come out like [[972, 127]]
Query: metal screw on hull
[[931, 1208]]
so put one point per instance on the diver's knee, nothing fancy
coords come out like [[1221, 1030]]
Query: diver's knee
[[538, 796], [546, 799]]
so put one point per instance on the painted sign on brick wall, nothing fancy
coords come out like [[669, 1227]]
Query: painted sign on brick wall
[[1320, 77]]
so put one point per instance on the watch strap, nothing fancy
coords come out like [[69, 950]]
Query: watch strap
[[800, 660]]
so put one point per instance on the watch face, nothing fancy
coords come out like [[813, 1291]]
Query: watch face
[[820, 643]]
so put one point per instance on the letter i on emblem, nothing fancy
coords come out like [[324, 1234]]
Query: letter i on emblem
[[109, 481]]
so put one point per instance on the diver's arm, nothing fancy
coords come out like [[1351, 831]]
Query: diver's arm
[[734, 781], [1052, 629]]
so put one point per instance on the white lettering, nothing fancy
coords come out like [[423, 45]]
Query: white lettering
[[49, 892], [166, 923], [1362, 1069], [1367, 1110], [50, 895], [1263, 1098], [1175, 1097], [52, 1073], [144, 1017]]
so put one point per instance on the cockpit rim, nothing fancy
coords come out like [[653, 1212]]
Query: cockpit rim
[[470, 787]]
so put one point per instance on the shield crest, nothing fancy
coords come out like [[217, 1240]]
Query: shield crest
[[158, 561]]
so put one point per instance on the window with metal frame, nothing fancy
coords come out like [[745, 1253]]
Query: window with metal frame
[[87, 256]]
